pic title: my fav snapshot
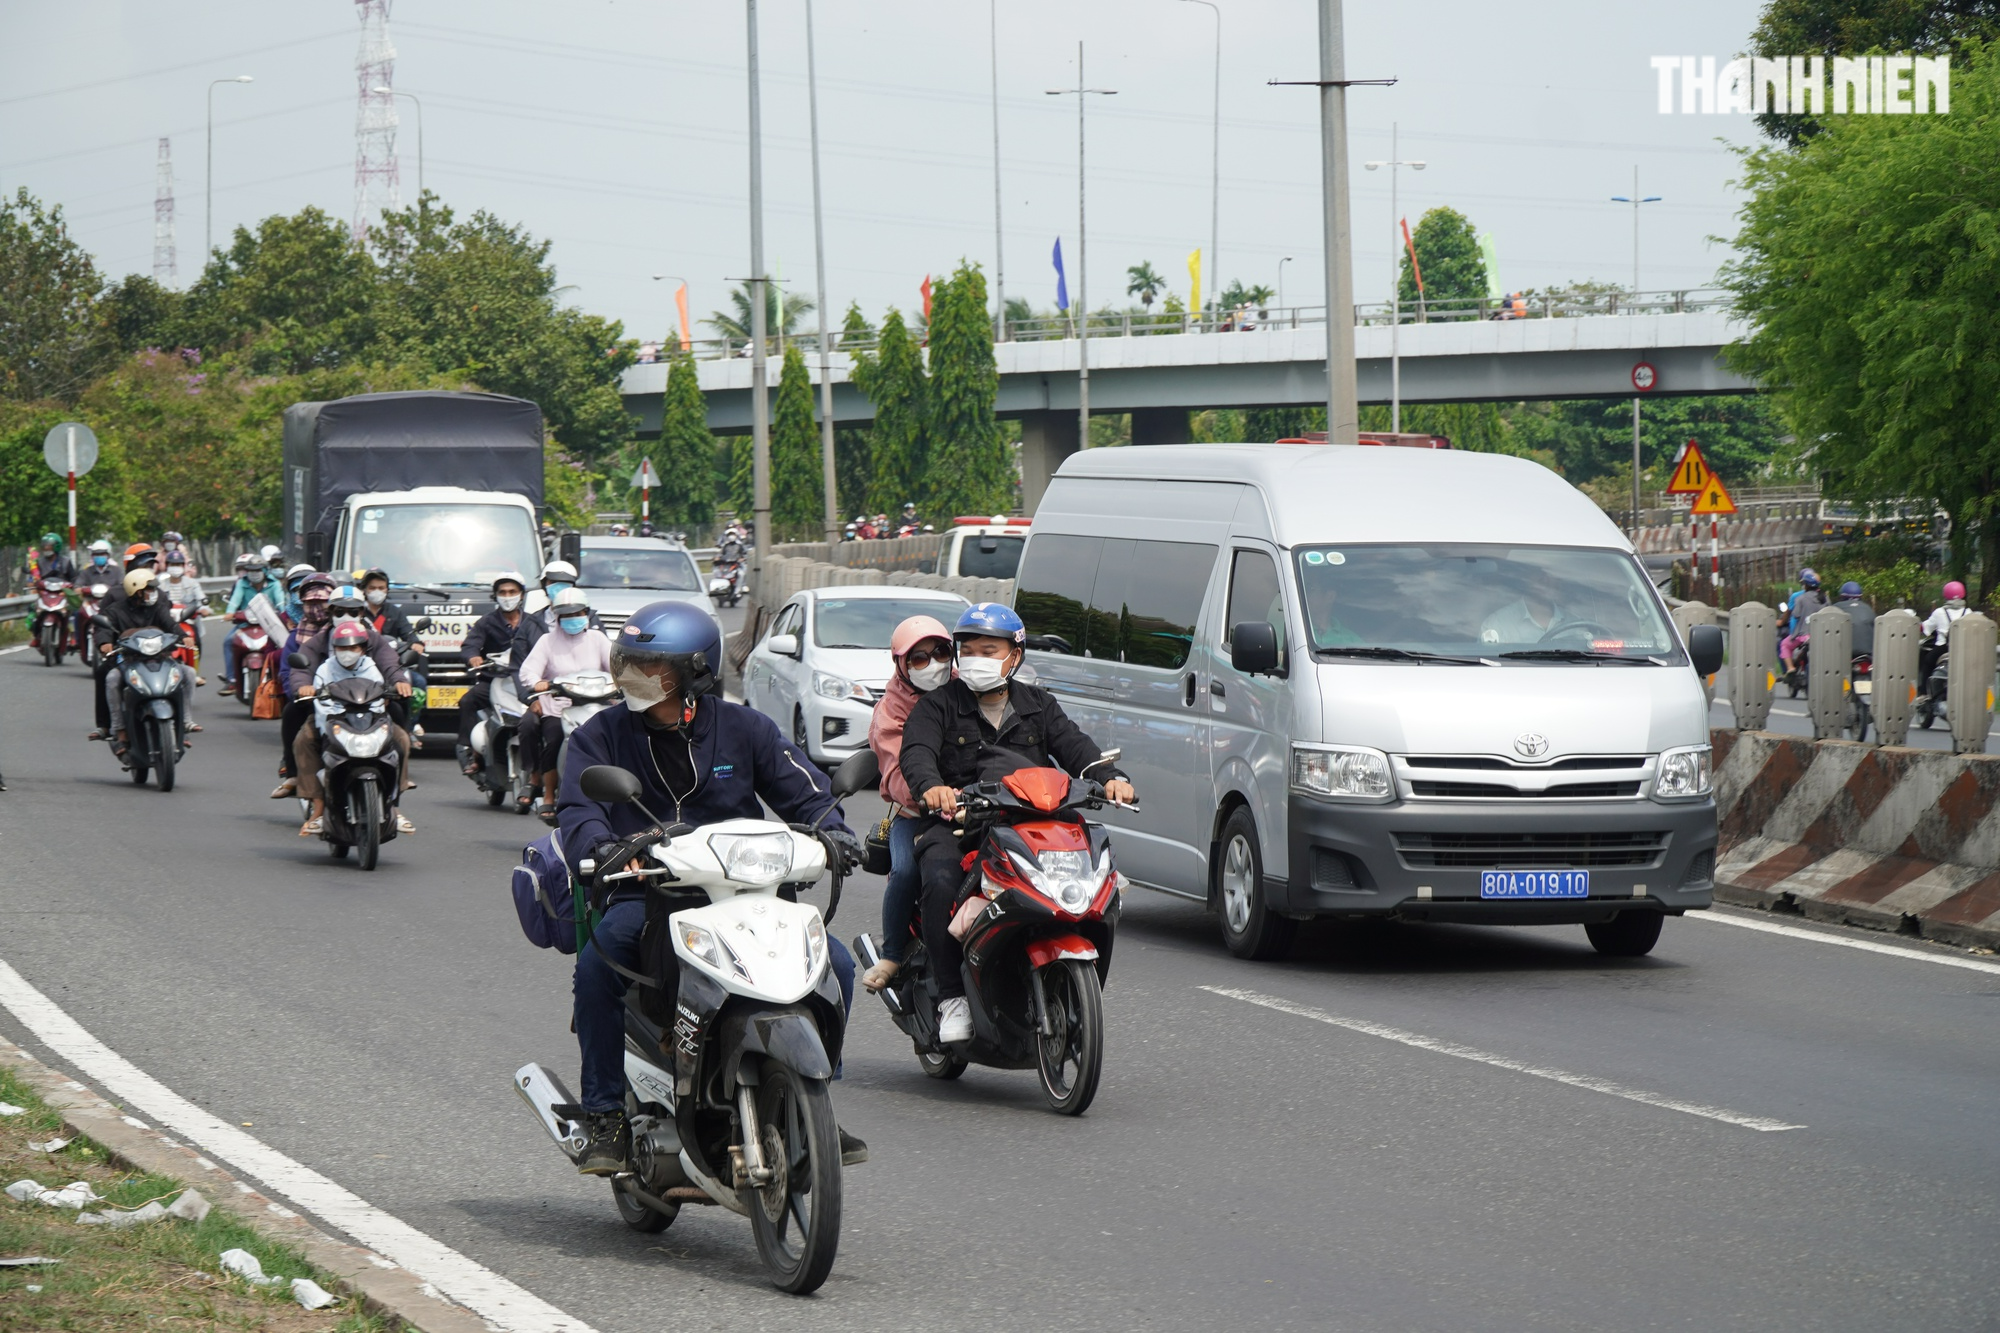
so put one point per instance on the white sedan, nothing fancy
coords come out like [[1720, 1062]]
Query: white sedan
[[824, 663]]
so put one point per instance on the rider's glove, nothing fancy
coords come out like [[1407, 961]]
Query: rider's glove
[[843, 850]]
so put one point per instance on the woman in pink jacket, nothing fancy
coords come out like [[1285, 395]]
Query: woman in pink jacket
[[921, 650], [572, 647]]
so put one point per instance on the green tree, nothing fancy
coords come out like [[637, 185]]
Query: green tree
[[798, 509], [971, 470], [51, 338], [892, 377], [1448, 251], [296, 294], [1854, 27], [36, 497], [735, 325], [1869, 259], [1145, 283], [1262, 425], [139, 313], [685, 457]]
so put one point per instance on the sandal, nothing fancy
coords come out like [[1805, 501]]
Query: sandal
[[312, 827], [289, 787], [403, 824], [193, 727]]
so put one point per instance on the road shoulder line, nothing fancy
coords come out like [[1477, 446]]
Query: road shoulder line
[[1841, 941], [418, 1278]]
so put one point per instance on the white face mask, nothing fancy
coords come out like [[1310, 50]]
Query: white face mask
[[983, 675], [509, 603], [377, 596], [348, 657], [641, 690], [930, 677]]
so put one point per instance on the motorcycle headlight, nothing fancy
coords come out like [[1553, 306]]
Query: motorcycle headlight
[[1685, 774], [134, 677], [1065, 877], [830, 686], [753, 858], [365, 744], [1349, 772], [703, 944], [815, 945]]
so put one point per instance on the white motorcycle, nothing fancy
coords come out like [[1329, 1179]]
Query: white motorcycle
[[589, 693], [726, 1080], [496, 739]]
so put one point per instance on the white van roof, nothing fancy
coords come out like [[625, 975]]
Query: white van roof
[[1317, 492]]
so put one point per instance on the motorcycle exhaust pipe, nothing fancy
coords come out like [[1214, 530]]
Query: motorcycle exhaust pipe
[[544, 1092]]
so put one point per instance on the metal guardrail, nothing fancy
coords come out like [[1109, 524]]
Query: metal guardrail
[[17, 608]]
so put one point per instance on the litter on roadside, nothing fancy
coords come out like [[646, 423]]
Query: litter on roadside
[[8, 1108], [112, 1217], [311, 1294], [48, 1145], [244, 1264], [190, 1207], [28, 1261], [73, 1195]]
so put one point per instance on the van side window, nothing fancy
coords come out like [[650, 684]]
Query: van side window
[[1254, 594], [1054, 588], [1146, 600]]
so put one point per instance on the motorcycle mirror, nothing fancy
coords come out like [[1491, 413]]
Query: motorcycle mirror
[[1108, 757], [858, 772], [298, 662], [423, 624], [609, 783]]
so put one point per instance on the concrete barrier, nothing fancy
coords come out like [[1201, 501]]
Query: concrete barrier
[[1894, 839]]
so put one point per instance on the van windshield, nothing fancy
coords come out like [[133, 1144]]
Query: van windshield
[[990, 557], [1536, 603], [665, 568], [444, 545]]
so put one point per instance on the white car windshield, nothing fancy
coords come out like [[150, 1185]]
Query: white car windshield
[[444, 545], [664, 569], [1480, 602], [867, 622]]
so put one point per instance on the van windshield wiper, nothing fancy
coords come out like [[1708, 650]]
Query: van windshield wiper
[[1576, 655], [1397, 655]]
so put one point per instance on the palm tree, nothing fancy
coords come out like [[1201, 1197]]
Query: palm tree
[[1145, 284], [736, 327], [1261, 297]]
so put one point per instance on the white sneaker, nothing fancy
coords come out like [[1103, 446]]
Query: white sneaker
[[954, 1020]]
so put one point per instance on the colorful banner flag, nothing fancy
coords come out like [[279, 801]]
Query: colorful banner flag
[[1415, 267], [1062, 280], [1194, 280], [926, 290], [1489, 255], [681, 303]]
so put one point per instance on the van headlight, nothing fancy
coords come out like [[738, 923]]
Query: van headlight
[[1685, 774], [753, 858], [1348, 772]]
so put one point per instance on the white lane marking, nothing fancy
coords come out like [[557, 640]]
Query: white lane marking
[[472, 1285], [1452, 1048], [17, 648], [1827, 937]]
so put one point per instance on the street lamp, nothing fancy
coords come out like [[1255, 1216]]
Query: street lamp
[[1215, 168], [672, 277], [208, 185], [757, 287], [999, 253], [391, 92], [827, 472], [1281, 285], [1395, 166], [1637, 200], [1082, 262]]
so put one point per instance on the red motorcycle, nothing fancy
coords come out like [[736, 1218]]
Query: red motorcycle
[[92, 596], [52, 620], [255, 657], [1037, 912]]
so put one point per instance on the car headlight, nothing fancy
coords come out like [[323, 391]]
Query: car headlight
[[1067, 878], [1685, 773], [753, 858], [815, 945], [364, 744], [1351, 772], [830, 686]]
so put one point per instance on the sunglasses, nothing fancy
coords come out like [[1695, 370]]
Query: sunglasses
[[919, 658]]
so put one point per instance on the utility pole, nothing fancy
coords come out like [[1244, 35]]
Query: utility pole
[[760, 406], [1343, 408], [999, 254], [208, 173], [1215, 170], [1082, 256], [1395, 165], [1637, 201], [829, 476]]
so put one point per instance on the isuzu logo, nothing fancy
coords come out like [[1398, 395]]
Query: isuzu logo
[[1532, 744]]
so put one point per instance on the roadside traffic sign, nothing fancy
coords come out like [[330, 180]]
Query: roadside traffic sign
[[645, 476], [1644, 377], [1714, 498], [1691, 473], [55, 448]]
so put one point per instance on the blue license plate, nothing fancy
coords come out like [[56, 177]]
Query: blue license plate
[[1534, 883]]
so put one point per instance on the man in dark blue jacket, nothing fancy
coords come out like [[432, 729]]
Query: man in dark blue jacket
[[699, 759]]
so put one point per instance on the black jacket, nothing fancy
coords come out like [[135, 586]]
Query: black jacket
[[946, 738], [389, 619], [491, 634], [117, 619], [1863, 616], [314, 649]]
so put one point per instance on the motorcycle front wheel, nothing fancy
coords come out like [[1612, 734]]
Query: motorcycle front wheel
[[368, 825], [1071, 1057], [797, 1216], [51, 650], [163, 752]]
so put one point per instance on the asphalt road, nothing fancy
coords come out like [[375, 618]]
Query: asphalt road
[[1243, 1166]]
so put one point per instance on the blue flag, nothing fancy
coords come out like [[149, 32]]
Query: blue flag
[[1062, 282]]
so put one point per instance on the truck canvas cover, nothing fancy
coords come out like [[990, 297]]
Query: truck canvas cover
[[400, 441]]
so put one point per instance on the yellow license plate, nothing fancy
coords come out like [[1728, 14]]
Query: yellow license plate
[[445, 696]]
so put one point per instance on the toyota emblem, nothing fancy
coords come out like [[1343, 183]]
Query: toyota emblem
[[1532, 744]]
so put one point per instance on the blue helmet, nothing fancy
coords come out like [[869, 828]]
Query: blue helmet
[[1808, 579], [1850, 589], [680, 634], [990, 620]]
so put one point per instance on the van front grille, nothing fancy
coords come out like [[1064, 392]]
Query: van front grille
[[1529, 851], [1569, 791]]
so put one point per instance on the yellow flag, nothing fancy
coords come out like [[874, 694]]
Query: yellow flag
[[1194, 279]]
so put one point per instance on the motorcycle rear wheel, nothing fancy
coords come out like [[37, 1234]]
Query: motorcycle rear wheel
[[796, 1217], [163, 749], [1071, 1060], [940, 1065], [639, 1215]]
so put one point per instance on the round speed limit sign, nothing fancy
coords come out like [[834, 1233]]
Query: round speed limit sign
[[1644, 377]]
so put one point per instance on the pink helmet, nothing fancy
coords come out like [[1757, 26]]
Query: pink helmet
[[913, 632], [1954, 589]]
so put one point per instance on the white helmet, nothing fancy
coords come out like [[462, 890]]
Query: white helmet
[[570, 597], [558, 570], [271, 555]]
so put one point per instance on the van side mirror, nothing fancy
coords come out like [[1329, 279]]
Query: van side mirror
[[1705, 649], [609, 783], [1253, 648], [858, 772], [315, 545], [570, 546]]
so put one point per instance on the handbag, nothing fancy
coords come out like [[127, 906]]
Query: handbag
[[875, 857], [269, 701]]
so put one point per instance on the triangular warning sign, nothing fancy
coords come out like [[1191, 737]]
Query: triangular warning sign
[[1714, 498], [1691, 474]]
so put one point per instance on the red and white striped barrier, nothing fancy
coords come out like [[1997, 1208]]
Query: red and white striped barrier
[[1890, 838]]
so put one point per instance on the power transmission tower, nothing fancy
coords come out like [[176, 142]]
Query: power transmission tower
[[376, 186], [166, 267]]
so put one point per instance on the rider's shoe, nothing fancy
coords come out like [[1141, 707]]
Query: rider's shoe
[[403, 824], [609, 1146], [853, 1151], [289, 787], [954, 1020]]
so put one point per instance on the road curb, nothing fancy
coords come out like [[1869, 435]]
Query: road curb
[[384, 1288]]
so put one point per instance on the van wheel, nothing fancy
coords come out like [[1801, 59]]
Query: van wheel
[[1627, 935], [1249, 927]]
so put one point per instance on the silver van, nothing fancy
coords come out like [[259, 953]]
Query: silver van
[[1376, 682]]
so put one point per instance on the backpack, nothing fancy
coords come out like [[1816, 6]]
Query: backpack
[[544, 898]]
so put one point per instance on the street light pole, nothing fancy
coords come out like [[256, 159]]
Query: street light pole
[[999, 254], [1082, 256], [1281, 284], [828, 473], [1343, 411], [420, 132], [674, 277], [1395, 165], [208, 182], [1637, 201], [760, 405], [1215, 169]]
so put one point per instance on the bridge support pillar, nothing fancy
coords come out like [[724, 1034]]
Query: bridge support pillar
[[1160, 425], [1046, 439]]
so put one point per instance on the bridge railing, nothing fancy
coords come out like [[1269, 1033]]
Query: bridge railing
[[1254, 318]]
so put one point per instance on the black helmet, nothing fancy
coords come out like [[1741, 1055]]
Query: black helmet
[[679, 634]]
